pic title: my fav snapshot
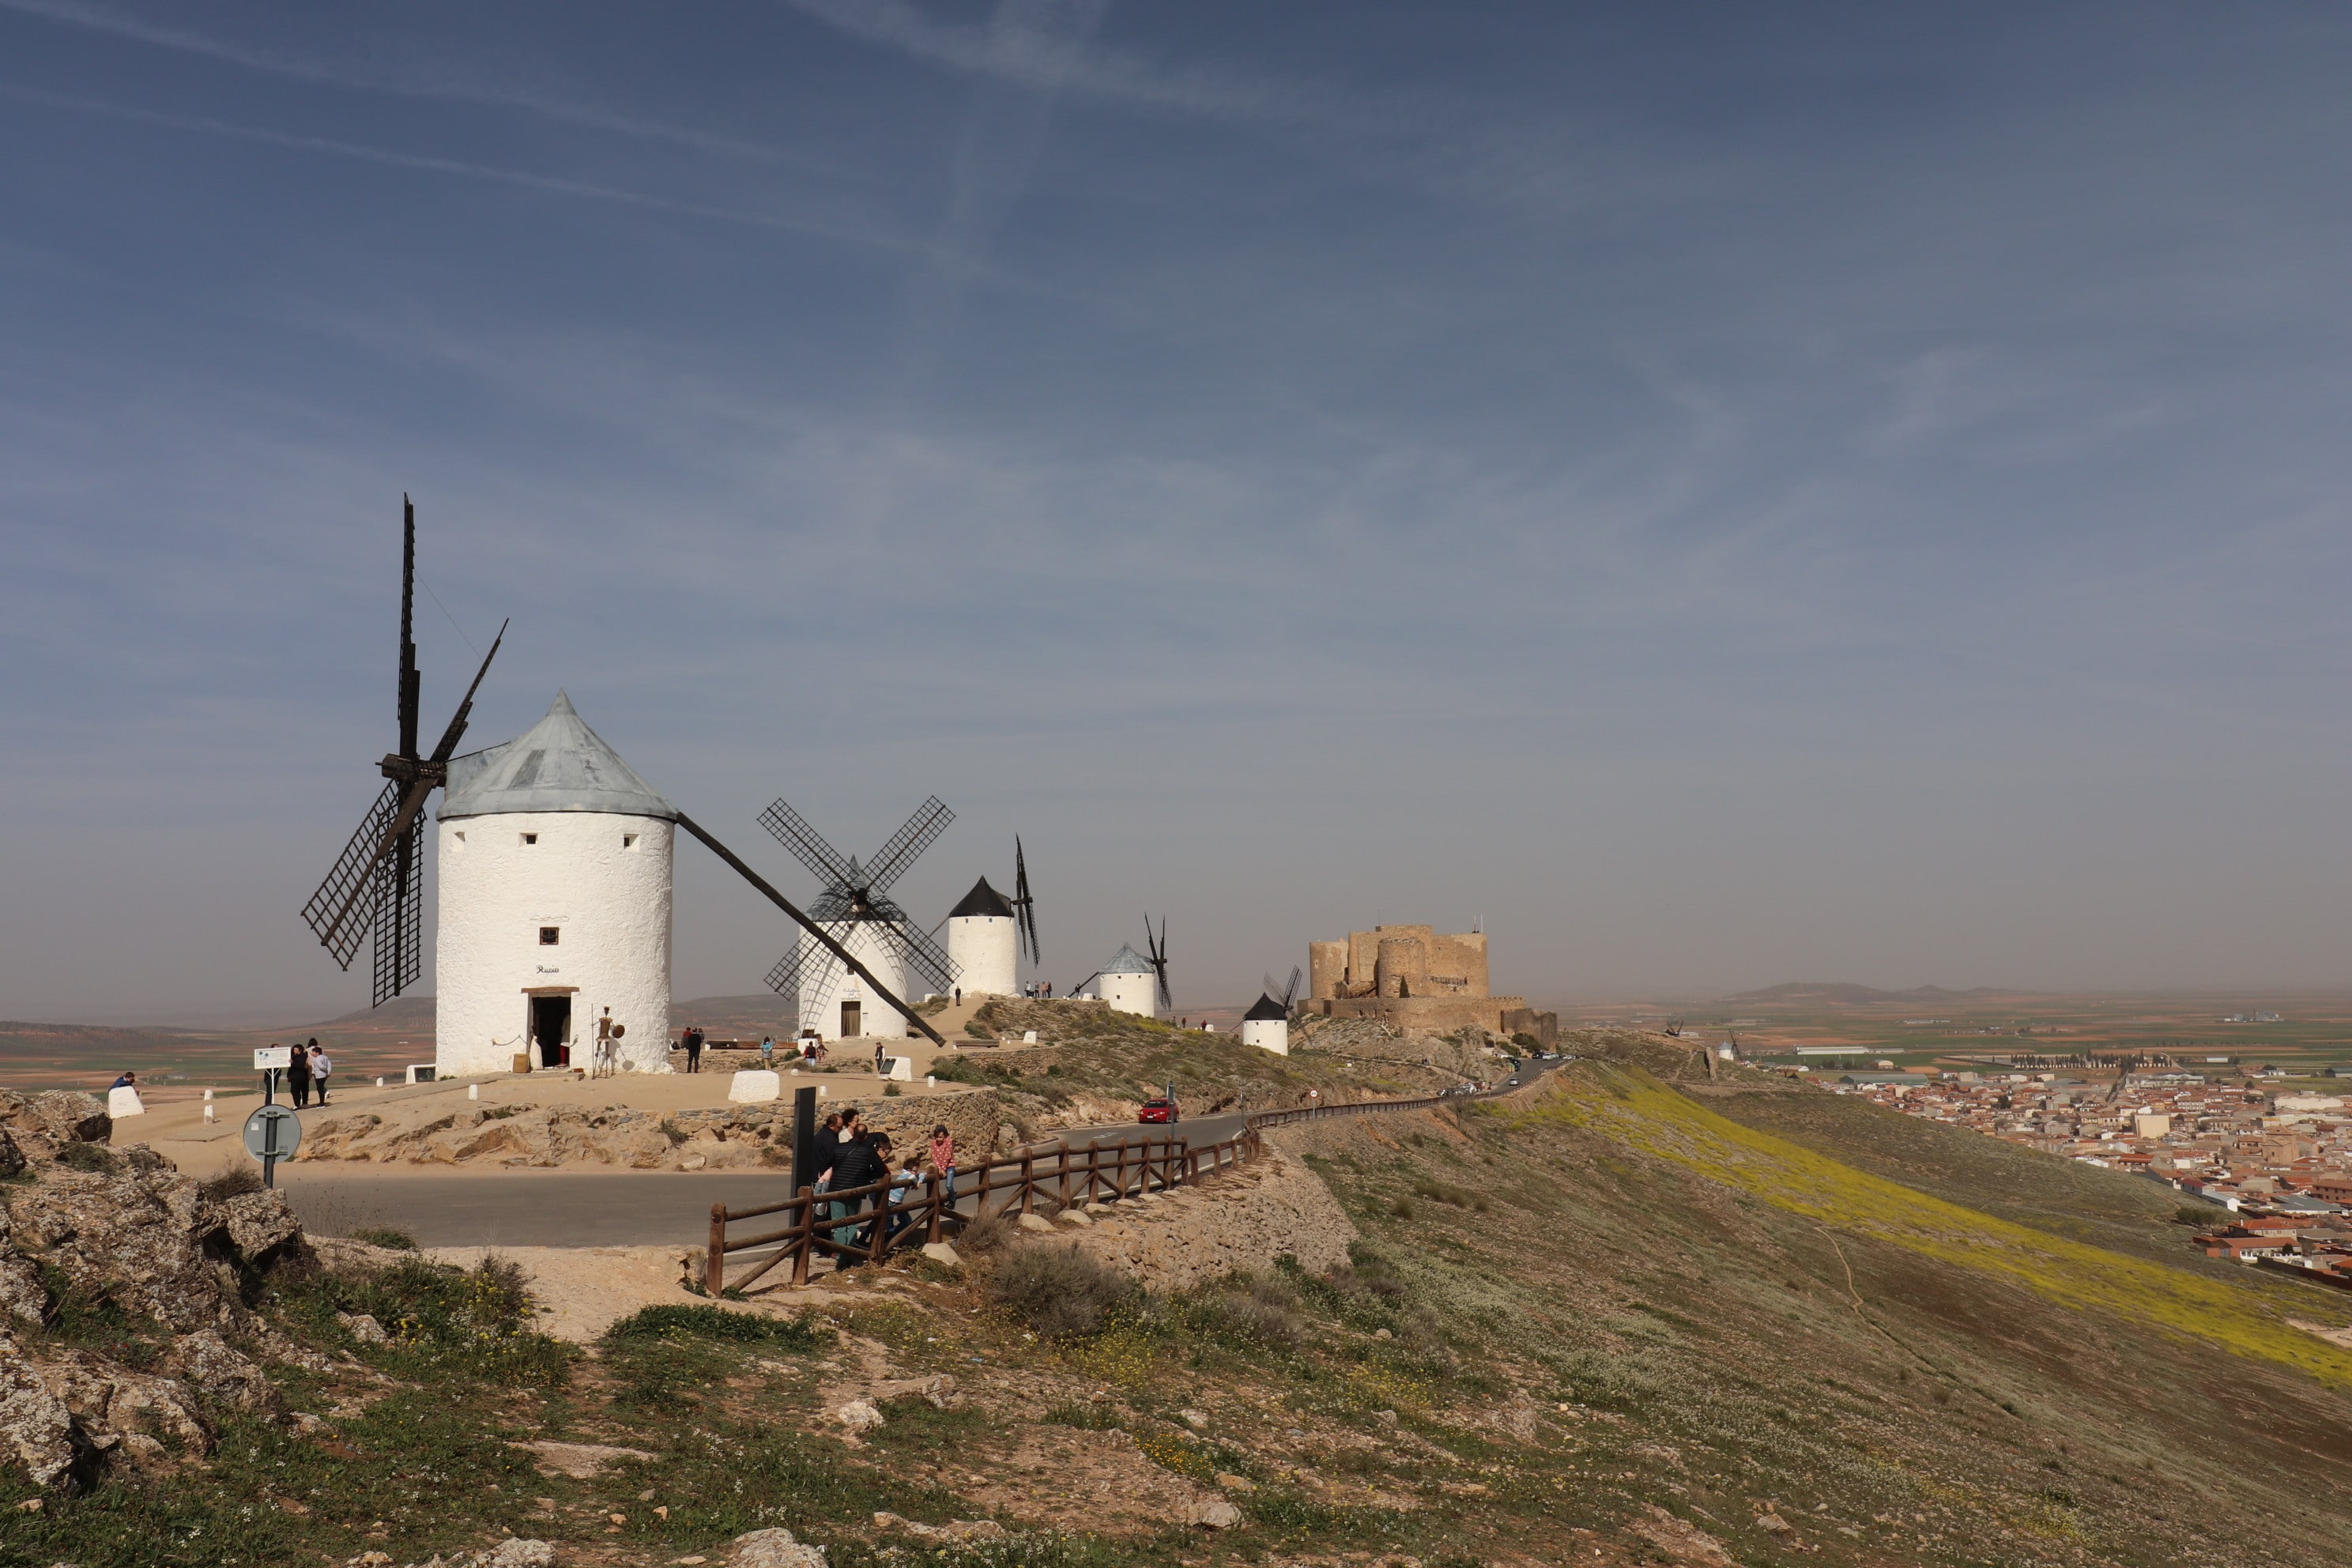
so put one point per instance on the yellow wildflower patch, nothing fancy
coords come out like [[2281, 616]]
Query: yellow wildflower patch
[[1637, 1109]]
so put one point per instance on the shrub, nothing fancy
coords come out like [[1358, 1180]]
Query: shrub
[[2196, 1215], [984, 1233], [1250, 1311], [480, 1321], [680, 1320], [87, 1157], [386, 1237], [1447, 1193], [889, 1091], [235, 1181], [1060, 1292]]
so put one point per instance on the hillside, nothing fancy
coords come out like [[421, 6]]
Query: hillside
[[1629, 1315]]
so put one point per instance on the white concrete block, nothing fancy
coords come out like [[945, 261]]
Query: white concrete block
[[122, 1102], [754, 1084]]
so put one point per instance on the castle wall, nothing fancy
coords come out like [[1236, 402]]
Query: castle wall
[[1418, 962]]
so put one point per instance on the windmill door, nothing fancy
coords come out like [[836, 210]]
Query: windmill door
[[852, 1019], [551, 1028]]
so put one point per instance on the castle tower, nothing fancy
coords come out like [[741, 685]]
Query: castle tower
[[1129, 984], [1267, 1025], [554, 904], [981, 943]]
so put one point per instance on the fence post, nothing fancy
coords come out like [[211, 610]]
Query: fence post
[[1028, 1181], [714, 1267], [807, 1245], [933, 1182]]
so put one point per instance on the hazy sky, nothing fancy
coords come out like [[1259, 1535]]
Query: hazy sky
[[1720, 493]]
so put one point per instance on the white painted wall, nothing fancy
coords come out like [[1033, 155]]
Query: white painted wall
[[1130, 992], [822, 1010], [1267, 1035], [610, 901], [983, 949]]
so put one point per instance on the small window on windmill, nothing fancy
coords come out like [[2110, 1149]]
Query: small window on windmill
[[459, 835], [550, 935], [628, 841], [530, 839]]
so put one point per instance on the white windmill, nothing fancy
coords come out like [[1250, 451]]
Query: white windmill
[[987, 931], [855, 912], [554, 904], [1266, 1025], [554, 899], [1131, 983]]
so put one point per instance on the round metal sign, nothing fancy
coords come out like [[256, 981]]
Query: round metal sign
[[272, 1132]]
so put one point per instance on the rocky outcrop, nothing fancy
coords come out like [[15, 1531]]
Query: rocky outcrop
[[145, 1240], [1237, 1222], [51, 1120], [735, 1137]]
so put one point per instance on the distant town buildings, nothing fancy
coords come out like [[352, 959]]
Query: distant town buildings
[[2277, 1167]]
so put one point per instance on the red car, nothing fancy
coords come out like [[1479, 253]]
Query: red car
[[1160, 1110]]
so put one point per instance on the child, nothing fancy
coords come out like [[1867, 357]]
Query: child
[[943, 1156]]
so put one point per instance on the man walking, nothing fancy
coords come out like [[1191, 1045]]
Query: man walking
[[858, 1162], [693, 1049]]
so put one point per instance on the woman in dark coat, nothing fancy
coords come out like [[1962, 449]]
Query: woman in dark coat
[[298, 1076]]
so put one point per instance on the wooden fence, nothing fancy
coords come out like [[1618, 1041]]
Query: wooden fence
[[863, 1224]]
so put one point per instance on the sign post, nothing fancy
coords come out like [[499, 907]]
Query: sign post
[[273, 1133]]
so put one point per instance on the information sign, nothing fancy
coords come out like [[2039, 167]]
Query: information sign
[[272, 1133], [268, 1056]]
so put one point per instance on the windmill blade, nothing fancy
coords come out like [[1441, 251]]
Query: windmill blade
[[805, 970], [410, 681], [1158, 946], [792, 830], [918, 952], [350, 888], [399, 921], [1290, 992], [456, 730], [913, 835], [1024, 906], [824, 937]]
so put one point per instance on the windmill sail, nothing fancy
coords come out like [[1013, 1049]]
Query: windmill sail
[[375, 892]]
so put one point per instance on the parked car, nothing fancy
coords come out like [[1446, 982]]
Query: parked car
[[1160, 1108]]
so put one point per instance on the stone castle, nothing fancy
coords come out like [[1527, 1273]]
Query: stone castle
[[1418, 981]]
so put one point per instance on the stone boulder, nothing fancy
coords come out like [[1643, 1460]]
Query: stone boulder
[[772, 1549], [36, 1428], [55, 1117], [260, 1225]]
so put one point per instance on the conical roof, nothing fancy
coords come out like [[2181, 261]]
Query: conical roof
[[556, 764], [1126, 962], [1264, 1007], [982, 899]]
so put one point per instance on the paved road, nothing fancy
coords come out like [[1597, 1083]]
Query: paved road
[[563, 1208], [526, 1208]]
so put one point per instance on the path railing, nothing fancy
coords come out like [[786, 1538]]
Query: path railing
[[865, 1223]]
